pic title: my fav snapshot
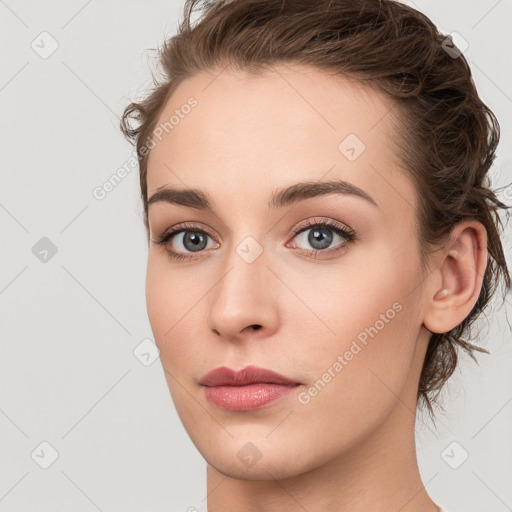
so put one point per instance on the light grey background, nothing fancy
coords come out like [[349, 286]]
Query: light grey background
[[69, 326]]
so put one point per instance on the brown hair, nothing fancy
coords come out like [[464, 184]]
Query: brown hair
[[447, 135]]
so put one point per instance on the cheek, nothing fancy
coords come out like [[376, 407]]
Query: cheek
[[159, 299], [367, 315], [167, 302], [175, 307]]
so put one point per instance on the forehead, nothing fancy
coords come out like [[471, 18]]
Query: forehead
[[247, 134]]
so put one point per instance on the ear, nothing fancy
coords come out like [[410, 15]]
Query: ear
[[454, 285]]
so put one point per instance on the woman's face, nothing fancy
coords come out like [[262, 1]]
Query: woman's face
[[340, 318]]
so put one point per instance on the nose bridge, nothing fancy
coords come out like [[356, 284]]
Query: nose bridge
[[245, 266]]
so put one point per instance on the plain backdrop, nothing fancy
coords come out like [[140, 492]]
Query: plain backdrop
[[74, 396]]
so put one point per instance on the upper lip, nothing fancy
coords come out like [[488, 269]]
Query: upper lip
[[224, 376]]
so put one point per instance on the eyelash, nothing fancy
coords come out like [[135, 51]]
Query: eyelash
[[348, 234]]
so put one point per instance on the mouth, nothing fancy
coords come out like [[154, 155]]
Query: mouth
[[245, 390]]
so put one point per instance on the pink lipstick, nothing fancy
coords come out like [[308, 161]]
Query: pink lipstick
[[245, 390]]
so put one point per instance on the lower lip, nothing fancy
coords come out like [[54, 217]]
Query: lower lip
[[246, 398]]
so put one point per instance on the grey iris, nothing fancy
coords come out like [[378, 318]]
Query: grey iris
[[197, 241], [317, 236]]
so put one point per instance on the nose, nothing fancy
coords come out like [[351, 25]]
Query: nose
[[244, 303]]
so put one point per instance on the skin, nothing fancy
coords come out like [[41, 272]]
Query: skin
[[352, 446]]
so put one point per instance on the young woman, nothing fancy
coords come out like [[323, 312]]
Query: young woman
[[321, 237]]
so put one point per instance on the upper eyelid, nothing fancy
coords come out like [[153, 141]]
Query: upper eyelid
[[331, 223], [179, 228], [303, 225]]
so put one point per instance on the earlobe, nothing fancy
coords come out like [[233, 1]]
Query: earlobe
[[454, 285]]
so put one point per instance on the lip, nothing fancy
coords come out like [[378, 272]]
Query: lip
[[250, 388], [224, 376]]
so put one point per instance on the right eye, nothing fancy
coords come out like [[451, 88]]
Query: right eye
[[189, 237]]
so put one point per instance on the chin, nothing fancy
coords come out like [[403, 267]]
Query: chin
[[275, 467], [257, 457]]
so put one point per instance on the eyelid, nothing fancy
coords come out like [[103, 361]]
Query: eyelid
[[347, 235], [183, 226], [322, 221]]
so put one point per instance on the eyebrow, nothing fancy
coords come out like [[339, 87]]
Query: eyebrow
[[280, 198]]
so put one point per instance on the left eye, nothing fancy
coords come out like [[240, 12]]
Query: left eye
[[321, 236]]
